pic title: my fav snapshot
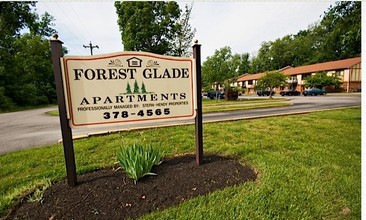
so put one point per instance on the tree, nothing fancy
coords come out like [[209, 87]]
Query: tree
[[43, 26], [221, 68], [128, 88], [244, 63], [321, 80], [14, 16], [148, 26], [262, 62], [339, 32], [33, 80], [271, 80], [182, 43], [302, 47], [143, 89], [25, 58], [5, 101], [336, 36], [136, 88], [281, 53]]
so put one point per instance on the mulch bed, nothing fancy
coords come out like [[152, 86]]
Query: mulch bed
[[110, 194]]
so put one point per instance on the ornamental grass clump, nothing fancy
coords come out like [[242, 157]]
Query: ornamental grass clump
[[137, 160]]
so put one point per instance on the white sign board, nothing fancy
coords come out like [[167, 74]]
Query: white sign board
[[128, 87]]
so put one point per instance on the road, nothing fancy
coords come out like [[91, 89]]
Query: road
[[25, 129]]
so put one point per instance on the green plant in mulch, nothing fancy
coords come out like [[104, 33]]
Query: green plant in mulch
[[137, 160], [37, 195]]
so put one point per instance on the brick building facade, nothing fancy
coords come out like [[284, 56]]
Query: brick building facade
[[348, 71]]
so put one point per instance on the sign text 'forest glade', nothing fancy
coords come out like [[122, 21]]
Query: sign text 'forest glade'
[[128, 87]]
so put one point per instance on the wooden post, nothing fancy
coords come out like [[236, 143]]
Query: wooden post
[[198, 120], [56, 50]]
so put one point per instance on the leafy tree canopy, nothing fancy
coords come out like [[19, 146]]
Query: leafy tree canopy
[[244, 65], [321, 80], [25, 58], [340, 31], [154, 26], [14, 16], [337, 36], [183, 36], [270, 80], [222, 67]]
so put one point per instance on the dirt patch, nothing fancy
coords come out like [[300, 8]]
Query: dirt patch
[[110, 194]]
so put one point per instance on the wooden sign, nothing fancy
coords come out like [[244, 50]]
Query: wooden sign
[[125, 87], [128, 87]]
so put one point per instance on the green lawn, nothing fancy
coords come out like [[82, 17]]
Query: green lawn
[[309, 166], [209, 106]]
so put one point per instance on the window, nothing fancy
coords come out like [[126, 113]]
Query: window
[[303, 76]]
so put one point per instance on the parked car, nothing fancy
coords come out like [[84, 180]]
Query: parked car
[[265, 92], [214, 94], [290, 92], [313, 91], [204, 95]]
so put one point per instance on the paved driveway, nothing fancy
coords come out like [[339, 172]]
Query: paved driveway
[[20, 130]]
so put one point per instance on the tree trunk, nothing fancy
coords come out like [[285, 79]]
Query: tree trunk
[[231, 94], [270, 92]]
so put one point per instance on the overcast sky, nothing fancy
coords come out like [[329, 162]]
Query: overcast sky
[[241, 25]]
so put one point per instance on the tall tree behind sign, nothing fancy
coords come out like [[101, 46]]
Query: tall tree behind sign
[[339, 32], [25, 59], [154, 26], [182, 42], [221, 68], [336, 36]]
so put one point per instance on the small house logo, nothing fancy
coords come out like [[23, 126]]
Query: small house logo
[[134, 62]]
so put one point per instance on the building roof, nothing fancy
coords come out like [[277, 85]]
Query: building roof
[[327, 66], [313, 68], [285, 68], [250, 77]]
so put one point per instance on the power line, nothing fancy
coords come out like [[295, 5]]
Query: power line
[[72, 22], [73, 27], [79, 20], [59, 19], [65, 19]]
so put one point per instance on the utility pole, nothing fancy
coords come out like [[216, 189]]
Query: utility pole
[[91, 47]]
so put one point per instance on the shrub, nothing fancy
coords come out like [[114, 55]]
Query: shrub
[[137, 160], [5, 102], [37, 195]]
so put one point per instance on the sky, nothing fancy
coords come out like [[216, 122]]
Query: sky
[[241, 25]]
